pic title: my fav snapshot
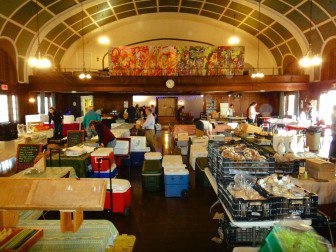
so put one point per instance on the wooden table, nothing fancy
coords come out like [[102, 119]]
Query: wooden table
[[69, 196]]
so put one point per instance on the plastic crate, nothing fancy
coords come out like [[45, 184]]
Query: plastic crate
[[290, 168], [243, 236], [305, 207], [201, 163], [251, 210]]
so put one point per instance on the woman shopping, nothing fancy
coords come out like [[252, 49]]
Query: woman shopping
[[252, 113]]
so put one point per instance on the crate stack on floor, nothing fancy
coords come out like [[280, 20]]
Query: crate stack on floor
[[252, 194], [118, 194], [176, 176]]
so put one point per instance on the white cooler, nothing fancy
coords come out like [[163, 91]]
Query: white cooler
[[153, 156], [67, 119], [196, 151]]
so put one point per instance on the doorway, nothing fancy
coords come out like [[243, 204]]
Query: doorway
[[167, 106], [86, 102]]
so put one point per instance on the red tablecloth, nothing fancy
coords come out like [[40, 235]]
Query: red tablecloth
[[66, 127], [300, 127]]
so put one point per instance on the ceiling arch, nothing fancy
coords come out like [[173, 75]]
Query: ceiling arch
[[284, 23]]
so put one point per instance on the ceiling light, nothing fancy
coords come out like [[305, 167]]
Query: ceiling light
[[234, 40], [103, 40], [310, 60], [82, 76], [88, 76], [31, 100], [258, 75]]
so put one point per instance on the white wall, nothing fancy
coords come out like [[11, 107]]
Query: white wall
[[164, 25], [192, 103]]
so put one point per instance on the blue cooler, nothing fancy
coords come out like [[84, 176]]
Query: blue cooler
[[105, 174], [138, 156], [176, 182]]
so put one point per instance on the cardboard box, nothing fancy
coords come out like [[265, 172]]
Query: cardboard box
[[320, 169]]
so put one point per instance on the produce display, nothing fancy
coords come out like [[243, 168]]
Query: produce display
[[283, 187]]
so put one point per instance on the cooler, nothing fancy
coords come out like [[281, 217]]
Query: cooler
[[196, 151], [138, 156], [105, 174], [176, 182], [138, 143], [152, 175], [121, 196], [153, 156], [106, 153], [173, 161], [122, 147], [200, 164]]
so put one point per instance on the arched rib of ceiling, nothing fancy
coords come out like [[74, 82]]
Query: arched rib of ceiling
[[285, 27]]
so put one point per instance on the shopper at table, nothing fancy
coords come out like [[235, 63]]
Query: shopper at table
[[332, 151], [131, 111], [252, 113], [57, 118], [149, 126], [105, 136], [91, 115], [230, 111]]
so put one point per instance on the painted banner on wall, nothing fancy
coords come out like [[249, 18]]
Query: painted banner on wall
[[176, 61]]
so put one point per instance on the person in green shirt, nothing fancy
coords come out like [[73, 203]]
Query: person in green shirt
[[91, 115]]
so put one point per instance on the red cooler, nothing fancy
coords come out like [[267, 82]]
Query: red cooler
[[105, 153], [121, 196]]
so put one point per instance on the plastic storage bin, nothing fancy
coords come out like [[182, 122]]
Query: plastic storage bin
[[200, 164], [152, 175], [121, 196], [176, 182], [105, 153]]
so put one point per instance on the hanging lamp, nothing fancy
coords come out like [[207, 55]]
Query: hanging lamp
[[258, 74], [234, 40], [84, 74], [310, 60], [103, 39], [39, 62]]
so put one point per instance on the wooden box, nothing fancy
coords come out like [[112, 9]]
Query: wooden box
[[250, 129], [23, 243], [320, 169]]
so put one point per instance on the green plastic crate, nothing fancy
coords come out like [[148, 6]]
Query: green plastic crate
[[200, 164], [152, 175]]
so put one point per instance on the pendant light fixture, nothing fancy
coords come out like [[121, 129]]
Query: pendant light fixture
[[258, 74], [84, 74], [103, 39], [234, 40], [39, 62], [310, 60]]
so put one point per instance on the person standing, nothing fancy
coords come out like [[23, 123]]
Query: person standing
[[57, 118], [105, 136], [332, 151], [91, 115], [131, 111], [179, 113], [149, 127], [252, 113], [230, 111], [309, 112]]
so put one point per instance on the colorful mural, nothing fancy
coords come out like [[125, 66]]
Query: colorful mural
[[173, 61]]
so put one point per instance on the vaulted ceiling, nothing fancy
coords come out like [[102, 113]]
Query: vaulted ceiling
[[62, 18]]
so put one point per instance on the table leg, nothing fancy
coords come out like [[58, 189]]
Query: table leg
[[213, 205], [253, 236], [71, 221]]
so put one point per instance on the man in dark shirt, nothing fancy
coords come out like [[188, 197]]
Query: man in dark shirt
[[105, 136], [57, 118], [131, 111]]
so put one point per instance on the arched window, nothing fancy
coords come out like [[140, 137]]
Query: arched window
[[328, 71]]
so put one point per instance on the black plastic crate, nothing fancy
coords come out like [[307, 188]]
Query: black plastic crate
[[287, 168], [251, 210], [228, 168], [305, 207], [234, 236]]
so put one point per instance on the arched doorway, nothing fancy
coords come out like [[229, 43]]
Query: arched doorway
[[8, 70], [290, 66], [329, 61]]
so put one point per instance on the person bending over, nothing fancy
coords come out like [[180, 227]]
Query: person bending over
[[105, 136]]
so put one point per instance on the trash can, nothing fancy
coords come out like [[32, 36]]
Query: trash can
[[313, 137]]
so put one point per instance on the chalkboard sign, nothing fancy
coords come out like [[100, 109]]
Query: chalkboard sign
[[26, 154], [75, 137]]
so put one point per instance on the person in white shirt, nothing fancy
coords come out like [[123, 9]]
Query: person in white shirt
[[252, 113], [149, 127], [231, 111], [332, 151]]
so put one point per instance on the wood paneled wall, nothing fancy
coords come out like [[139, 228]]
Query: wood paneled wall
[[241, 104], [106, 101]]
